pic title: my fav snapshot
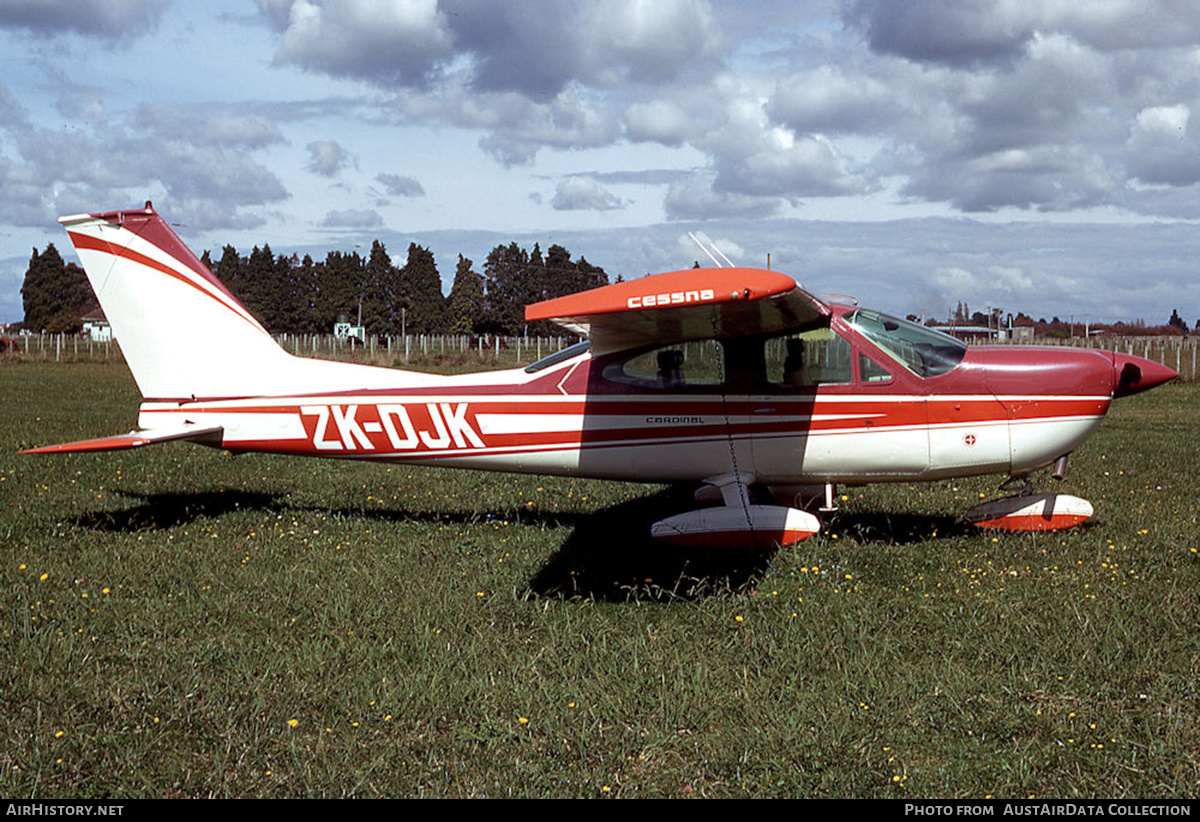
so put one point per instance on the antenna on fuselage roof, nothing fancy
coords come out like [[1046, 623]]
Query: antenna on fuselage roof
[[704, 248]]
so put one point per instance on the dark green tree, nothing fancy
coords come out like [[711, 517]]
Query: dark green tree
[[54, 295], [380, 293], [560, 275], [307, 277], [264, 288], [466, 299], [515, 279], [339, 287], [229, 272], [293, 312], [420, 293], [590, 276], [508, 289]]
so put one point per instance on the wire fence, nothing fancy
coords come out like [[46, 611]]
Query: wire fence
[[463, 352], [448, 351]]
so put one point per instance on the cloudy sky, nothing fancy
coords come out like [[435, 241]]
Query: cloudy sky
[[1034, 155]]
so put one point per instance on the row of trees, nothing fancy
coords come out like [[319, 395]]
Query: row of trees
[[1175, 326], [294, 295]]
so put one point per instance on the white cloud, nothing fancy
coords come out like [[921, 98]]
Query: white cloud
[[352, 218], [398, 185], [112, 19], [695, 199], [659, 121], [648, 41], [582, 194], [386, 42], [568, 121], [832, 99], [327, 158], [200, 125], [998, 30], [1161, 149]]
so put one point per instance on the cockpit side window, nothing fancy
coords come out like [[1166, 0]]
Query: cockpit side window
[[921, 350], [871, 372], [805, 360]]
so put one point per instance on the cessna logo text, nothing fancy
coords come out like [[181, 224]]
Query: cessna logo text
[[673, 298], [434, 426]]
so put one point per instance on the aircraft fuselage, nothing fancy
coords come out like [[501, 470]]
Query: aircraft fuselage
[[684, 411]]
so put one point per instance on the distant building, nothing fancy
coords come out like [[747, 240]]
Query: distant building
[[343, 330], [96, 327], [983, 334]]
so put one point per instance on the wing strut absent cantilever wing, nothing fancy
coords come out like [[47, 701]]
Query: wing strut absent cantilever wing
[[677, 306]]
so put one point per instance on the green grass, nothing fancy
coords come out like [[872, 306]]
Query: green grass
[[169, 613]]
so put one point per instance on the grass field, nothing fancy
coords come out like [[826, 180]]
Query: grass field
[[177, 622]]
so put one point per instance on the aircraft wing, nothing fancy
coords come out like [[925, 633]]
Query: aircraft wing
[[209, 435], [699, 303]]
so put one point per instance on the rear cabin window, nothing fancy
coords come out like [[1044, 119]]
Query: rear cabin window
[[675, 367]]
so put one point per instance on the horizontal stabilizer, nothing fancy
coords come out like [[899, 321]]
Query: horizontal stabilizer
[[210, 435]]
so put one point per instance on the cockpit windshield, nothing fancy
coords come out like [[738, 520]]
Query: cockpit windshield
[[923, 351]]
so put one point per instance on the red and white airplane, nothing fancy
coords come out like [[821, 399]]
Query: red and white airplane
[[734, 378]]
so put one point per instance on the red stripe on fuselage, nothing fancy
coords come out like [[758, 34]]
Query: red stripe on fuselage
[[426, 426]]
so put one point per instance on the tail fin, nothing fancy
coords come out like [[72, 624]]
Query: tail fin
[[183, 334]]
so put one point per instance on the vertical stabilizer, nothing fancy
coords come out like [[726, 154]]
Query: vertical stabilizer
[[183, 334]]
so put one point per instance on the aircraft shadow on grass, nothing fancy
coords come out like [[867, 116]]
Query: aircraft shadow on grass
[[169, 510], [609, 554]]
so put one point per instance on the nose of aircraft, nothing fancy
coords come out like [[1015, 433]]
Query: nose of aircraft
[[1134, 374]]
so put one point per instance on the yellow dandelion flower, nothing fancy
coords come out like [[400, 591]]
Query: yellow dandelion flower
[[292, 723]]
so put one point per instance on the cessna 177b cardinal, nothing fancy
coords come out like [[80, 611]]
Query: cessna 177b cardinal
[[733, 378]]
